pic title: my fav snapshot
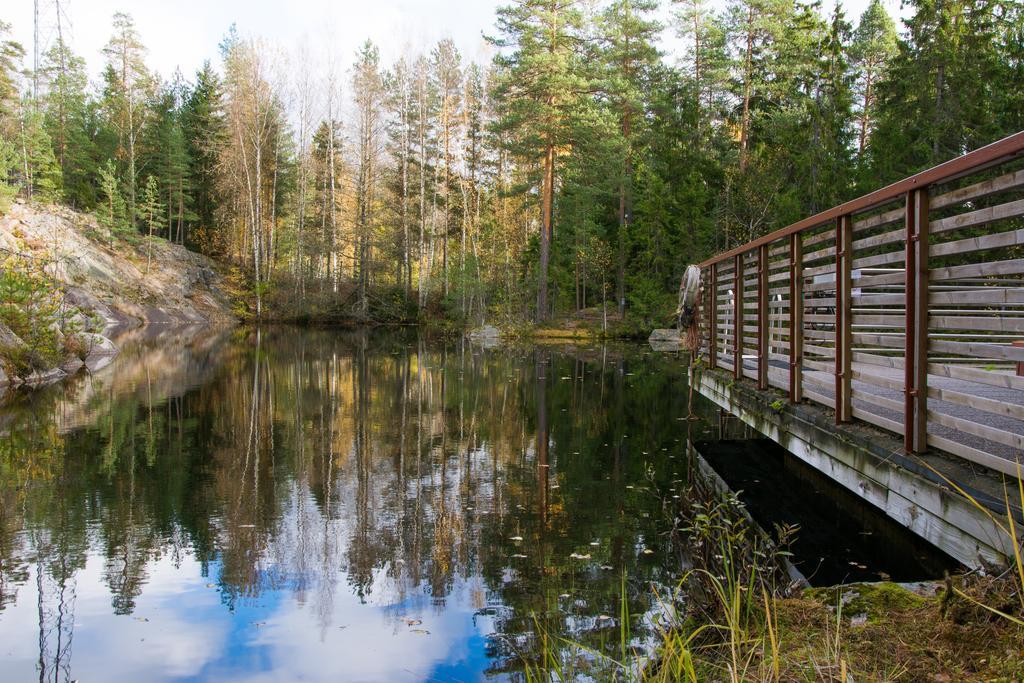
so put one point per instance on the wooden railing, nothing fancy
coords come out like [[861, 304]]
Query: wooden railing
[[908, 304]]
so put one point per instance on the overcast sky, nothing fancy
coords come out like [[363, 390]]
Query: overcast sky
[[182, 33]]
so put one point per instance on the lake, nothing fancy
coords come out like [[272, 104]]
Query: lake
[[286, 504]]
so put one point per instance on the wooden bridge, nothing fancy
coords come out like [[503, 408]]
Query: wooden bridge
[[903, 308]]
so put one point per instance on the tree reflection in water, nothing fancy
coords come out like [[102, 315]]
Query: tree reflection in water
[[321, 464]]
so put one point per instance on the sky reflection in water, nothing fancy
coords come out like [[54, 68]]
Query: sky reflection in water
[[287, 505]]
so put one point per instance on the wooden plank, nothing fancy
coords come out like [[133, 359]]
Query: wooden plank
[[992, 323], [879, 401], [973, 455], [980, 350], [993, 434], [986, 377], [878, 420], [970, 219], [1009, 181], [1006, 296], [896, 384], [998, 240], [988, 405]]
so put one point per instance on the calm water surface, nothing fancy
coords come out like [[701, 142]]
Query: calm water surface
[[286, 505]]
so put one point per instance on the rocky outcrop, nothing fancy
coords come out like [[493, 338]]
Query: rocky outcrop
[[116, 280], [109, 286]]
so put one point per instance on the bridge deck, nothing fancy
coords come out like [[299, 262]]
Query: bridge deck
[[903, 308]]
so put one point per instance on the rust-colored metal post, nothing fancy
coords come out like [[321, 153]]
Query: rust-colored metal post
[[915, 400], [844, 335], [762, 317], [713, 319], [737, 317], [796, 316]]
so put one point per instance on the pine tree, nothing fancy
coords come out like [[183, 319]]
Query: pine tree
[[874, 44], [629, 36], [540, 87], [447, 74], [128, 84], [368, 92]]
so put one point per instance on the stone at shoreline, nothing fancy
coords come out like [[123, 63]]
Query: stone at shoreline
[[487, 336], [666, 340], [665, 335]]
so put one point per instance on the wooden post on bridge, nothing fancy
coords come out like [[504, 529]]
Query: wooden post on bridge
[[737, 318], [915, 400], [796, 317], [843, 328], [762, 317], [713, 319]]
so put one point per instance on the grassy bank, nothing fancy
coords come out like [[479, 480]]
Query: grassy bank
[[737, 616]]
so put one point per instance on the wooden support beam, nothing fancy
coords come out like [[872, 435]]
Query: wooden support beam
[[915, 401], [796, 316], [762, 317], [843, 328], [713, 318], [737, 317]]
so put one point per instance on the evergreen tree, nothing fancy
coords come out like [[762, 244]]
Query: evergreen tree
[[204, 133], [165, 156], [112, 213], [71, 120], [127, 86], [540, 88], [631, 58], [152, 211], [40, 173], [874, 44], [935, 101]]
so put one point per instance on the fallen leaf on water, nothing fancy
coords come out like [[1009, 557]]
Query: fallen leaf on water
[[648, 551]]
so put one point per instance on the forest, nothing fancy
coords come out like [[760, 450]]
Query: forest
[[581, 169]]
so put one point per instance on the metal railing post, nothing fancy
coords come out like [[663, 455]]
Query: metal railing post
[[796, 316], [762, 317], [915, 400], [713, 319], [737, 317], [843, 327]]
